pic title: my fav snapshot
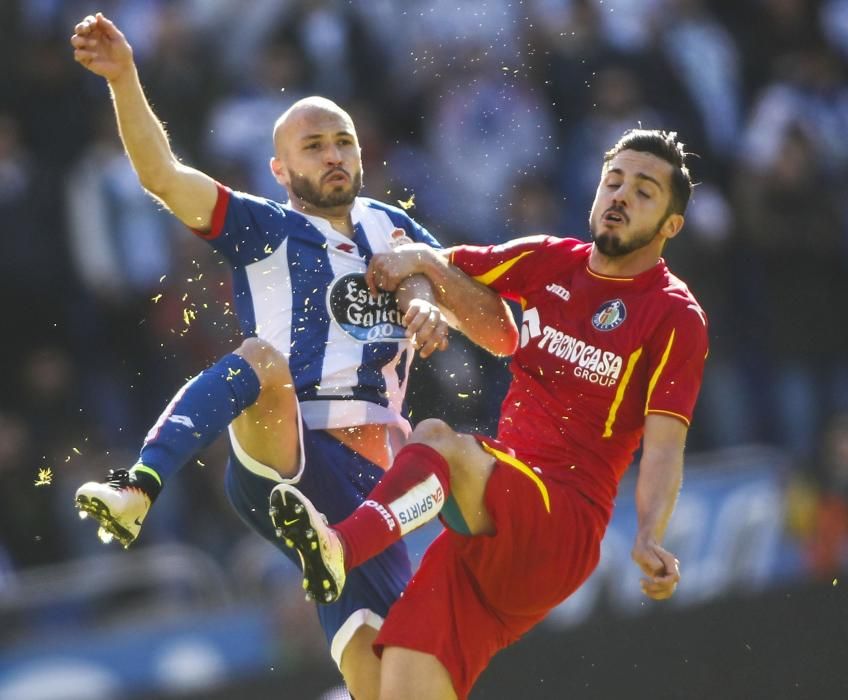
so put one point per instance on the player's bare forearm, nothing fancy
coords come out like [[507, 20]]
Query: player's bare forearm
[[475, 310], [414, 287], [660, 477], [141, 132], [426, 326], [480, 313], [660, 473], [191, 195], [657, 488]]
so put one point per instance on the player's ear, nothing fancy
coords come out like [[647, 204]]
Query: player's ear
[[672, 225], [278, 171]]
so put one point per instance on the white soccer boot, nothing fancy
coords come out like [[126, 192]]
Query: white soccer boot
[[301, 526], [119, 504]]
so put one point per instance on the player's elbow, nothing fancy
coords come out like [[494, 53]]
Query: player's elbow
[[505, 343], [154, 185], [158, 180]]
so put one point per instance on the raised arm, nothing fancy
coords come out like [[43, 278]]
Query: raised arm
[[659, 481], [474, 309], [190, 194]]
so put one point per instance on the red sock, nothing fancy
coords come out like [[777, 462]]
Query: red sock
[[410, 494]]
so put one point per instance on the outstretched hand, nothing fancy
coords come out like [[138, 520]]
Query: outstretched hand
[[661, 568], [101, 47]]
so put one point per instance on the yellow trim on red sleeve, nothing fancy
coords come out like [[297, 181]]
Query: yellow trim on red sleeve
[[523, 468], [488, 277], [669, 413], [619, 395], [656, 376]]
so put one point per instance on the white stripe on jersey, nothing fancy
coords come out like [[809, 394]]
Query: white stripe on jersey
[[271, 290], [377, 226], [342, 414]]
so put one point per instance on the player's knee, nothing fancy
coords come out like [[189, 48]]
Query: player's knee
[[435, 433], [459, 449], [269, 363]]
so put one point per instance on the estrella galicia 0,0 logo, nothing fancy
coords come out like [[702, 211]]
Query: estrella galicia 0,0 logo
[[363, 317]]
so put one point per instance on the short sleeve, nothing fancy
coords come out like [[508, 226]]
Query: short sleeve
[[507, 268], [244, 228], [677, 358]]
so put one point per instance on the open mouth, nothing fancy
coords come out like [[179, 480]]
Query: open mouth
[[611, 216]]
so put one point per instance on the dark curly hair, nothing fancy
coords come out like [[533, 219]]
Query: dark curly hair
[[664, 145]]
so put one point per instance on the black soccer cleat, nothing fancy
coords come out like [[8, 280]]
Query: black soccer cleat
[[302, 527]]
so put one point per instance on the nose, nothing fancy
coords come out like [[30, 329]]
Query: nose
[[622, 194], [333, 155]]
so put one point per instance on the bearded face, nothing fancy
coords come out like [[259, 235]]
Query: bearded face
[[333, 189], [613, 245]]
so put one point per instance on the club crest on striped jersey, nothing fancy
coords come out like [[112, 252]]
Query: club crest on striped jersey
[[610, 315], [364, 317], [398, 238]]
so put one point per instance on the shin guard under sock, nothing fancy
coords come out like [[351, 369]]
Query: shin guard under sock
[[410, 494], [198, 413]]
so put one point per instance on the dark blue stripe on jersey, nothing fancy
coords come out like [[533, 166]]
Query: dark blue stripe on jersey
[[243, 302], [401, 369], [401, 373], [371, 384], [362, 243], [311, 273], [253, 228]]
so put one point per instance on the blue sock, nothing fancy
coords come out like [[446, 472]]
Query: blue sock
[[197, 414]]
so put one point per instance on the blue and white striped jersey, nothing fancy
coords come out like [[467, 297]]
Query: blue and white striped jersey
[[299, 285]]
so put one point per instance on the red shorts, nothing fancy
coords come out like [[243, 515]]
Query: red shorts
[[473, 596]]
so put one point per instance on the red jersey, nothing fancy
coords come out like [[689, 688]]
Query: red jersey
[[597, 354]]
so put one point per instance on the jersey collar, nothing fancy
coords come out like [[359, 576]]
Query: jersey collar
[[326, 229], [643, 278]]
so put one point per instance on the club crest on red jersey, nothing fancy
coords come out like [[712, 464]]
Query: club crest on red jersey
[[610, 315]]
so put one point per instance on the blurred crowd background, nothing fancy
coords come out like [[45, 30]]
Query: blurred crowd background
[[491, 118]]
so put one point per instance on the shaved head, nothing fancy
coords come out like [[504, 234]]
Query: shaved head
[[306, 110], [317, 156]]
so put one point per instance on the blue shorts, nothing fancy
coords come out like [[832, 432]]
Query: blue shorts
[[336, 479]]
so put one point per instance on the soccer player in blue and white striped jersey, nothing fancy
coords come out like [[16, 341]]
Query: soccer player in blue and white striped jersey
[[314, 395]]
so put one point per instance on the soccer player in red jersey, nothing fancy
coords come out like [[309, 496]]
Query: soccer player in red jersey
[[611, 353]]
